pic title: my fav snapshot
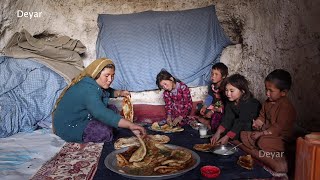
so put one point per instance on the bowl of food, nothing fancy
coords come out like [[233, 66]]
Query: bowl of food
[[210, 171], [224, 150]]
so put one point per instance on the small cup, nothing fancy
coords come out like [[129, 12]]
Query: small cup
[[203, 130], [210, 171]]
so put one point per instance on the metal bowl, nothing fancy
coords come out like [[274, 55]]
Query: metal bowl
[[224, 150]]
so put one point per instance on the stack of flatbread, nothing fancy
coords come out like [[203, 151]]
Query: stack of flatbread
[[134, 141], [151, 158], [127, 108], [203, 147]]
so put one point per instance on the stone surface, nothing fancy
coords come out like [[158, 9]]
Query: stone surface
[[268, 34]]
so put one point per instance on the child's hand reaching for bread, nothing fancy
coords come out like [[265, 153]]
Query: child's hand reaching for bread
[[169, 120], [177, 120]]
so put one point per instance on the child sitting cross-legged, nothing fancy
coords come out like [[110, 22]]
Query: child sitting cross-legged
[[275, 123], [240, 109], [177, 98]]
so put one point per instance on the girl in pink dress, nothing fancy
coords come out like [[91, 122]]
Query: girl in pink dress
[[177, 98]]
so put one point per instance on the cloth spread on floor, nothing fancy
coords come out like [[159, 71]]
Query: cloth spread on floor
[[23, 154], [74, 161]]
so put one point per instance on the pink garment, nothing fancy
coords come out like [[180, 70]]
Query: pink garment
[[178, 102]]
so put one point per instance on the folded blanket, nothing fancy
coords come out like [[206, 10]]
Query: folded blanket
[[60, 54]]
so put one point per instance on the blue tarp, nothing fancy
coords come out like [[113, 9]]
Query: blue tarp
[[28, 91], [185, 43]]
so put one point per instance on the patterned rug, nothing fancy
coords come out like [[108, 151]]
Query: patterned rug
[[74, 161]]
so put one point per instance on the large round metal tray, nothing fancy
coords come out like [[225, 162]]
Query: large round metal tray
[[111, 163]]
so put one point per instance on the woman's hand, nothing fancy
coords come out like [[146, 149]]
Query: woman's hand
[[224, 140], [214, 139], [137, 130], [124, 93]]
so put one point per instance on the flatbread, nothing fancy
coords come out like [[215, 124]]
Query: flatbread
[[140, 153], [165, 128], [160, 138], [123, 158], [158, 159], [126, 142], [133, 141], [203, 147], [127, 108], [246, 162]]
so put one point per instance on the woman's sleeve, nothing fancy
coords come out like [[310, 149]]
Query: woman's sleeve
[[111, 91], [97, 109]]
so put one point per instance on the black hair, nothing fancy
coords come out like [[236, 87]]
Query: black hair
[[280, 78], [111, 66], [241, 83], [165, 75], [222, 68]]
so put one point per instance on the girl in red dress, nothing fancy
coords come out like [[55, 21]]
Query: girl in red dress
[[177, 98]]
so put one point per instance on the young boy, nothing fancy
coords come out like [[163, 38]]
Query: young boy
[[212, 107], [276, 119]]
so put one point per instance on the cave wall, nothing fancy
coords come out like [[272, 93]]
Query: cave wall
[[267, 34], [278, 34]]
